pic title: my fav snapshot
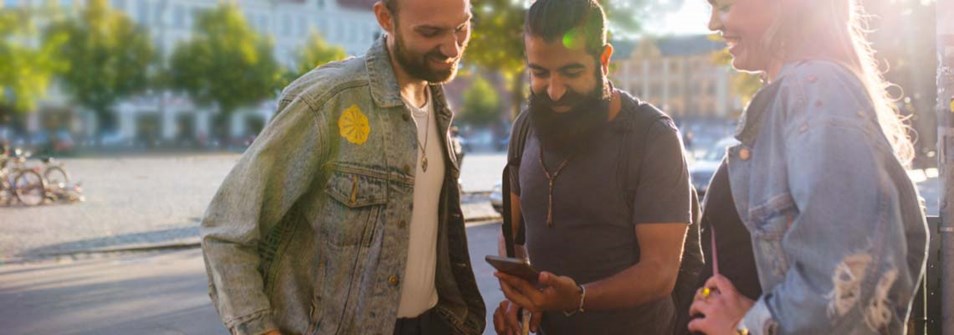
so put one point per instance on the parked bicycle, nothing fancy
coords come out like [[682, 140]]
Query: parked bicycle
[[20, 182], [54, 172]]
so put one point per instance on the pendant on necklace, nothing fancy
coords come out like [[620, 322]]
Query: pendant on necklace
[[424, 164]]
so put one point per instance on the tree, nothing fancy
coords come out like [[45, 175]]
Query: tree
[[27, 63], [481, 103], [225, 65], [314, 53], [497, 44], [497, 39], [742, 84], [107, 57]]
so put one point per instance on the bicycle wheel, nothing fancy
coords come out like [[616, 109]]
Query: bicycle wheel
[[30, 188], [56, 176]]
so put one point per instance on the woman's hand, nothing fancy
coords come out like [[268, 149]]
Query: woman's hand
[[720, 305]]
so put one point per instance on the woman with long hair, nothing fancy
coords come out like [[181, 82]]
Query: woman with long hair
[[837, 234]]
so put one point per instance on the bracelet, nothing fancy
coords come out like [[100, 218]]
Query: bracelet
[[582, 298]]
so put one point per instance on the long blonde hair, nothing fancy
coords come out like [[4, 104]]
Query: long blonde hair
[[836, 30]]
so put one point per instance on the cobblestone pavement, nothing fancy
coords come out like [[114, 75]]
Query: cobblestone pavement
[[146, 200], [129, 200]]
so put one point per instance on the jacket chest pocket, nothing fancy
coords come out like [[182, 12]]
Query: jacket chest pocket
[[770, 223], [352, 209]]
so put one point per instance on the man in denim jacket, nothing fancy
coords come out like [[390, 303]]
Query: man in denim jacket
[[344, 216]]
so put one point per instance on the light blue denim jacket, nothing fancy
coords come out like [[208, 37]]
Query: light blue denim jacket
[[309, 231], [837, 228]]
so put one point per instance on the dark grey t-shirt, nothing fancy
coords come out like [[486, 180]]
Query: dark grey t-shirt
[[593, 235]]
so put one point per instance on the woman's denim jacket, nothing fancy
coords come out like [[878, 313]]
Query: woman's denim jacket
[[837, 227], [309, 231]]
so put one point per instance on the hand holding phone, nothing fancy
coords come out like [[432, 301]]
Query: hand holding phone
[[515, 267]]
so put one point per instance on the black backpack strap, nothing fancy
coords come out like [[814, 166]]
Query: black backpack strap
[[518, 139], [507, 227]]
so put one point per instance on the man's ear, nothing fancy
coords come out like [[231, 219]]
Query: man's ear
[[384, 17], [605, 58]]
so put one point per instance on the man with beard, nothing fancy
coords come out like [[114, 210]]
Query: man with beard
[[344, 216], [601, 184]]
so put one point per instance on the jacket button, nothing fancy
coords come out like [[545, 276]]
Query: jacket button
[[744, 154], [407, 169], [405, 117], [402, 224], [393, 280]]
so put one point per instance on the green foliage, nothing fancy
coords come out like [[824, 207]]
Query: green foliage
[[27, 64], [107, 57], [226, 64], [314, 53], [481, 104], [743, 85]]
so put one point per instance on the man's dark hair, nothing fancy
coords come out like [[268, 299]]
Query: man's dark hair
[[391, 5], [568, 21]]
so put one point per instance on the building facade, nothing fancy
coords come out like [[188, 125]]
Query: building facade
[[677, 74], [160, 118]]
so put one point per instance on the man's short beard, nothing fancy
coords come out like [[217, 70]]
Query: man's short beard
[[567, 131], [417, 65]]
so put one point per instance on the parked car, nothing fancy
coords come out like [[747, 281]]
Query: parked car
[[703, 168], [496, 198]]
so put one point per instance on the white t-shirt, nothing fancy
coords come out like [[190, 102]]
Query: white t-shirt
[[418, 293]]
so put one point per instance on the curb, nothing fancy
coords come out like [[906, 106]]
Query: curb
[[482, 217]]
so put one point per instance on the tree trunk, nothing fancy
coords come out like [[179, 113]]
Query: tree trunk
[[221, 126], [105, 124]]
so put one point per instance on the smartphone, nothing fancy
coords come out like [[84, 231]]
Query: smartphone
[[514, 267]]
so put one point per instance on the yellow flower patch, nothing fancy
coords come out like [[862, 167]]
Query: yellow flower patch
[[353, 125]]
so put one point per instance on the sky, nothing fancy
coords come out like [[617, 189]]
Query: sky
[[691, 18]]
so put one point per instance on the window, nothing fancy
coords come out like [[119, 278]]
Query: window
[[119, 4], [66, 3], [286, 25], [674, 89], [142, 13], [323, 28], [11, 3], [157, 15], [190, 17], [178, 16], [263, 23]]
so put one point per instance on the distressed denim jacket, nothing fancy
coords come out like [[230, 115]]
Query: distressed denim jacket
[[839, 235], [309, 232]]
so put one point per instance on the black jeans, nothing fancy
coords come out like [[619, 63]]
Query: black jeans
[[429, 323]]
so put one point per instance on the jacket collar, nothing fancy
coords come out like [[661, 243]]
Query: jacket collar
[[384, 86], [750, 123]]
